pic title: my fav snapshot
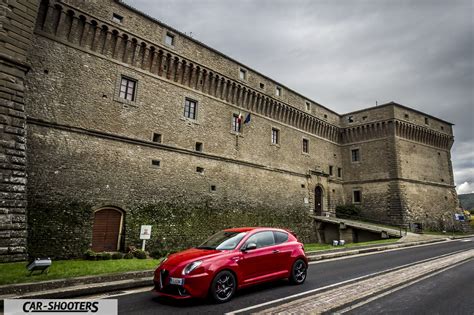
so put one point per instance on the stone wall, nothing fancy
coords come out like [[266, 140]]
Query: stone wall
[[90, 148], [17, 19]]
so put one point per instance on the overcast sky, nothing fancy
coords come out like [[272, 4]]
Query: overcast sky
[[347, 55]]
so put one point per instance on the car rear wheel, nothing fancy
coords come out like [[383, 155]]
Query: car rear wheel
[[223, 287], [298, 272]]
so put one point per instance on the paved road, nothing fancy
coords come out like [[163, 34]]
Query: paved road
[[450, 292], [319, 275]]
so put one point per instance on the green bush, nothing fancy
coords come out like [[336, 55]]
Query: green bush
[[140, 254], [90, 255], [128, 256], [347, 211], [106, 256], [117, 256], [158, 253]]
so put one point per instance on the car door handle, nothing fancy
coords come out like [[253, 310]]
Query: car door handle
[[276, 251]]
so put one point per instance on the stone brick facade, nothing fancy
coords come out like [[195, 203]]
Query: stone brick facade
[[89, 147], [17, 20]]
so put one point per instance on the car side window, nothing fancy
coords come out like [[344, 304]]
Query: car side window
[[262, 239], [280, 237]]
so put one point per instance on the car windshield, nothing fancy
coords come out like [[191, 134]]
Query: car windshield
[[223, 240]]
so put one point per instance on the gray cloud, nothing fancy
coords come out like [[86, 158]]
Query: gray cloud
[[347, 55]]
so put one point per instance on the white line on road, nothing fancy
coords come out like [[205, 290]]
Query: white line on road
[[379, 252], [349, 308], [291, 297]]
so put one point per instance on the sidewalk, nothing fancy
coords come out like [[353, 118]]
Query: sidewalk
[[81, 286], [333, 300]]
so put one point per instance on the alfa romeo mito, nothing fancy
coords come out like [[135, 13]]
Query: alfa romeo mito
[[229, 260]]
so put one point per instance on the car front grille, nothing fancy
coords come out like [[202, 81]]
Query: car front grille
[[163, 275]]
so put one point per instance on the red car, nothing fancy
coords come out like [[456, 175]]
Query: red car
[[230, 260]]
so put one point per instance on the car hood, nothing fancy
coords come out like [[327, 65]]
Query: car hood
[[190, 255]]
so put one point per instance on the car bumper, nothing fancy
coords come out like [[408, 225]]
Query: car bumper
[[195, 286]]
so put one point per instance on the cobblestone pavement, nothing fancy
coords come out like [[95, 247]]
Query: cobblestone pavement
[[338, 297]]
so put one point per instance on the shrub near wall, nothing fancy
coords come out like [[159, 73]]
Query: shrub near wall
[[59, 230], [178, 228]]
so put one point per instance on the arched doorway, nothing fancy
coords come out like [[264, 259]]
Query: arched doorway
[[318, 200], [106, 229]]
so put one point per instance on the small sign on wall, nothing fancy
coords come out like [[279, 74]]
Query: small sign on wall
[[306, 200], [145, 232]]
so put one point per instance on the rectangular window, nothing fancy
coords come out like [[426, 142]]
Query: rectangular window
[[262, 86], [308, 106], [156, 163], [243, 74], [278, 91], [117, 18], [127, 89], [305, 146], [339, 172], [275, 136], [330, 170], [427, 121], [200, 170], [355, 155], [198, 146], [236, 122], [356, 196], [157, 137], [169, 39], [190, 109]]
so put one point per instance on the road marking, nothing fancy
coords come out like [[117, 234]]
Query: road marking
[[378, 252], [468, 240], [294, 296], [349, 308]]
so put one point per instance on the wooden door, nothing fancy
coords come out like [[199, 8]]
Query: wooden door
[[106, 230], [318, 201]]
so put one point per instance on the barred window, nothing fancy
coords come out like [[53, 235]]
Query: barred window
[[355, 155], [275, 136], [305, 146], [128, 89], [190, 109]]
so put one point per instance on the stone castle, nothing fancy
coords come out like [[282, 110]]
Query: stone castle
[[110, 119]]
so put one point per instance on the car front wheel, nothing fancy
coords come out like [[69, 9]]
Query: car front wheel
[[223, 287], [298, 272]]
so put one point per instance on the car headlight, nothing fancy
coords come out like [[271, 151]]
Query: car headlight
[[191, 266]]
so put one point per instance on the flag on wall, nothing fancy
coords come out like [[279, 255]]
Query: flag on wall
[[247, 119], [239, 118]]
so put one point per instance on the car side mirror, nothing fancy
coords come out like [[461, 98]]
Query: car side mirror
[[250, 246]]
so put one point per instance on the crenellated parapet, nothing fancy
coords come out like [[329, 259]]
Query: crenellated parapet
[[406, 130], [68, 24], [374, 130], [423, 135]]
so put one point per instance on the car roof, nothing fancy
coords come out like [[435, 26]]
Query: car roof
[[246, 229]]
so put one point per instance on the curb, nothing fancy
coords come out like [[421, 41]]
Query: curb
[[369, 250], [22, 289]]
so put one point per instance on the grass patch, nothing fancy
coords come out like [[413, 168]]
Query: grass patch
[[317, 246], [16, 272]]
